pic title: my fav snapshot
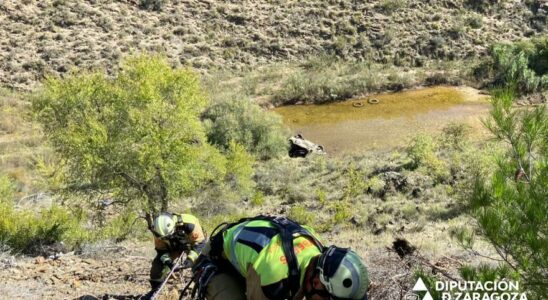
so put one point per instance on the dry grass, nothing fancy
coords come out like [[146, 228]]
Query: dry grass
[[55, 36], [327, 78], [21, 143]]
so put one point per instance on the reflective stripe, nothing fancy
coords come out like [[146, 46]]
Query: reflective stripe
[[192, 255], [355, 278], [233, 258], [256, 237]]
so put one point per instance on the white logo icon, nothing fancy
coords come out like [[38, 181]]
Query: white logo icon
[[421, 287]]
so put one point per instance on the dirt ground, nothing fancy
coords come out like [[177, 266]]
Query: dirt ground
[[121, 272]]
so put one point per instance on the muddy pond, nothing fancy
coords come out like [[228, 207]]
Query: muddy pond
[[386, 121]]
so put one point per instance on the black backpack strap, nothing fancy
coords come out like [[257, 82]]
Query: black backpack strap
[[288, 228]]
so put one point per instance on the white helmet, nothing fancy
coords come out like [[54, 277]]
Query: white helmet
[[343, 273], [164, 225]]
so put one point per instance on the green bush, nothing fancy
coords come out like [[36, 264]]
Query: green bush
[[342, 212], [522, 65], [454, 136], [485, 273], [375, 185], [301, 214], [260, 132], [356, 184], [257, 199], [55, 228], [318, 86], [321, 197], [422, 152], [6, 189], [239, 169], [137, 135]]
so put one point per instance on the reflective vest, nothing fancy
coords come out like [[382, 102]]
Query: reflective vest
[[258, 243]]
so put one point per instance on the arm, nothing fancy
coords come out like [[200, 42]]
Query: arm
[[254, 289], [163, 251], [196, 237]]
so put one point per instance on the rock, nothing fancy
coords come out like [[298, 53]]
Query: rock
[[395, 182]]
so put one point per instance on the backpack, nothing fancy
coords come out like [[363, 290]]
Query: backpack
[[286, 228]]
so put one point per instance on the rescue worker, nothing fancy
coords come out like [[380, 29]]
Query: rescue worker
[[275, 258], [173, 235]]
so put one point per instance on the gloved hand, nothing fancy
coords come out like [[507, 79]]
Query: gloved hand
[[187, 264], [173, 267], [166, 260]]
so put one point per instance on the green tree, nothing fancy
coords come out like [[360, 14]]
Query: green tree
[[510, 207], [136, 135], [260, 132]]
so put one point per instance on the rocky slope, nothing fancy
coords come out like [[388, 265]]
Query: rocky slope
[[54, 36], [121, 273]]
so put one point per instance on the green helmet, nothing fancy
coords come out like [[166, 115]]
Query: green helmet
[[164, 225], [343, 273]]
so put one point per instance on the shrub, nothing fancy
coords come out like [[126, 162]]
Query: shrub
[[239, 169], [29, 232], [301, 214], [155, 5], [375, 185], [422, 152], [481, 5], [454, 136], [137, 135], [260, 132], [475, 22], [523, 65], [316, 86], [430, 283], [356, 184], [342, 212], [257, 199], [55, 228], [6, 189], [391, 6], [321, 197]]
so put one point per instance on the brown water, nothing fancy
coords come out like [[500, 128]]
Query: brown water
[[348, 127]]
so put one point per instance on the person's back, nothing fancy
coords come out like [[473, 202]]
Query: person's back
[[275, 258], [256, 246]]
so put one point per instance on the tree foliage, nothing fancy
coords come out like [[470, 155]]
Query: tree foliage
[[510, 207], [136, 135], [239, 169], [241, 121]]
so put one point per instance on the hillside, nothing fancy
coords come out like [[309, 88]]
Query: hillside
[[53, 37], [401, 201]]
